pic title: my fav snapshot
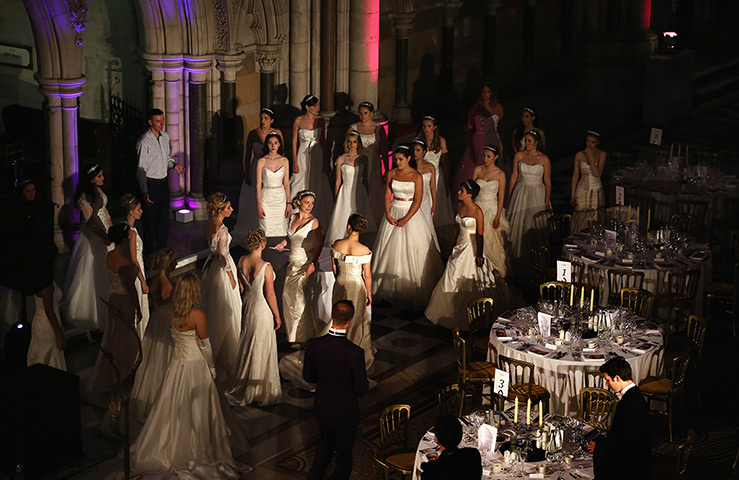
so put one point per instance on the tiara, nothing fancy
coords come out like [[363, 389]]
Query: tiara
[[222, 202], [468, 185], [593, 133], [533, 133], [429, 117], [530, 110], [274, 133], [492, 148], [309, 97], [306, 193], [418, 141], [268, 110], [403, 147], [354, 132], [92, 168], [25, 182], [368, 105]]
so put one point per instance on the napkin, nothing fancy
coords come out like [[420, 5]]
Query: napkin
[[486, 436], [653, 331]]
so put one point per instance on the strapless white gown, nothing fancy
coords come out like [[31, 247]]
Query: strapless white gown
[[42, 348], [444, 209], [527, 199], [426, 205], [376, 191], [296, 310], [496, 240], [352, 198], [274, 222], [191, 433], [143, 297], [588, 196], [407, 264], [311, 176]]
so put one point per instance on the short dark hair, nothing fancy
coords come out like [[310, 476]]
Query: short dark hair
[[342, 312], [448, 431], [153, 112], [617, 366]]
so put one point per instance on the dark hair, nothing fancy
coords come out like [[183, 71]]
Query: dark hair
[[23, 184], [594, 134], [273, 134], [342, 312], [518, 135], [492, 148], [268, 111], [617, 366], [471, 186], [308, 101], [435, 144], [406, 150], [357, 222], [128, 202], [85, 186], [118, 232], [448, 431], [536, 136], [493, 92], [153, 113], [367, 105]]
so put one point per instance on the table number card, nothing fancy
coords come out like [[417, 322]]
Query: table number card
[[502, 378], [610, 237], [655, 137], [564, 271], [619, 195], [545, 323]]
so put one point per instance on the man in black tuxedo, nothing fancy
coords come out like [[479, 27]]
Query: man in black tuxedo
[[626, 451], [452, 462], [336, 366]]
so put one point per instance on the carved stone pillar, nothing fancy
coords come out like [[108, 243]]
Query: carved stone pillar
[[228, 65], [402, 22], [62, 95], [489, 38], [267, 58], [300, 13], [328, 55], [198, 68], [364, 51], [446, 75], [529, 38]]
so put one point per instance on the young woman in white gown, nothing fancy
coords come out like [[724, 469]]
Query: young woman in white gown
[[247, 219], [311, 170], [273, 188], [257, 378], [374, 142], [191, 432], [469, 273], [528, 123], [407, 264], [531, 186], [492, 182], [305, 238], [353, 272], [438, 155], [87, 277], [47, 338], [428, 172], [132, 207], [350, 188], [157, 345], [221, 296], [587, 189]]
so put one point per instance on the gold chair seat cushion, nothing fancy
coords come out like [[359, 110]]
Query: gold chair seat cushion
[[656, 385], [720, 289], [479, 370], [520, 391], [402, 461]]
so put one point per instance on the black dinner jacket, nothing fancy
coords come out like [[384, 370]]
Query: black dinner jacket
[[454, 463], [336, 366], [626, 451]]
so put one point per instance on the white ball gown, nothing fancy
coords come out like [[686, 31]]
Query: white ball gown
[[426, 205], [407, 264], [87, 275], [527, 199], [370, 149], [157, 348], [143, 297], [496, 240], [274, 222], [444, 210], [247, 219], [257, 378], [297, 313], [190, 433], [42, 348], [352, 198], [221, 304], [349, 285], [311, 176], [588, 196], [463, 281]]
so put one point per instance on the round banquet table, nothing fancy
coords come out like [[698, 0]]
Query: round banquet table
[[563, 373], [578, 247]]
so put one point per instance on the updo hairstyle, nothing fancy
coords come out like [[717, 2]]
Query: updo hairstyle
[[255, 239], [367, 105], [273, 134], [308, 101], [161, 259], [118, 233], [128, 202], [300, 196], [357, 223], [216, 202], [471, 186]]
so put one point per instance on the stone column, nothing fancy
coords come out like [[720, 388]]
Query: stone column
[[446, 74], [328, 55], [198, 68], [62, 95], [342, 46], [267, 58], [300, 13], [402, 22], [489, 39], [364, 51], [529, 38], [229, 65]]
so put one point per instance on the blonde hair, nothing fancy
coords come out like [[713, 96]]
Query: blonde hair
[[358, 137], [128, 202], [300, 196], [216, 202], [255, 239], [185, 298], [163, 258]]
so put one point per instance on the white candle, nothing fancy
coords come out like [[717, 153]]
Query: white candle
[[541, 416], [515, 411], [528, 412], [649, 217], [592, 296], [671, 145], [582, 296]]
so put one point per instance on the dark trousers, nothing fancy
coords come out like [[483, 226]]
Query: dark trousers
[[334, 439], [156, 217]]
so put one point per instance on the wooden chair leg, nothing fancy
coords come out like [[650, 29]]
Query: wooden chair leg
[[669, 415]]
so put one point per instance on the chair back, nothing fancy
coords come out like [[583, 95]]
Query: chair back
[[471, 399], [595, 379], [696, 335], [618, 279], [522, 374], [678, 284], [686, 224], [638, 300], [539, 255], [460, 347], [558, 228], [597, 407], [589, 292], [579, 272], [683, 453], [679, 372], [619, 213], [450, 400], [551, 291], [695, 208], [394, 428], [480, 316]]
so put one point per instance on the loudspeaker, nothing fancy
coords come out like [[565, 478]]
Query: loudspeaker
[[39, 420]]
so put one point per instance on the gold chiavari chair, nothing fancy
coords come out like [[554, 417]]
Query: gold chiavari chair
[[695, 208], [597, 407], [539, 255], [480, 321], [589, 292], [622, 278], [558, 228], [394, 453], [551, 291], [668, 390], [686, 224], [639, 301], [469, 372], [450, 400], [677, 289], [522, 384]]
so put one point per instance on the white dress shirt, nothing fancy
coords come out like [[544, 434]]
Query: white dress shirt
[[154, 158]]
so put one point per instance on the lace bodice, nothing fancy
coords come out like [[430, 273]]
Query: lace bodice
[[302, 244], [350, 266], [221, 244], [403, 190], [467, 229], [531, 173], [368, 139], [98, 207], [484, 125], [186, 346], [272, 179]]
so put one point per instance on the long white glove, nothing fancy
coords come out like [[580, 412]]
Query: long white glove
[[207, 351]]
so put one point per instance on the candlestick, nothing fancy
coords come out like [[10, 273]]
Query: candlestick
[[572, 296], [582, 297], [541, 416], [528, 412], [592, 296], [649, 218], [515, 412]]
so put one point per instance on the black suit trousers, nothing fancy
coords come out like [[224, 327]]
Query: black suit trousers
[[340, 440]]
